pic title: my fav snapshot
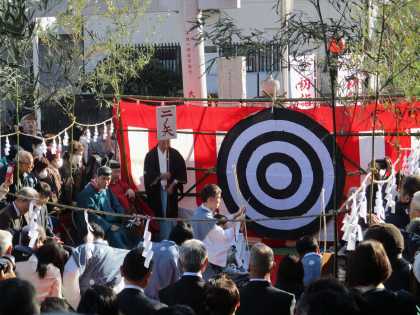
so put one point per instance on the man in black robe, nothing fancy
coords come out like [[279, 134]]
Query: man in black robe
[[162, 185]]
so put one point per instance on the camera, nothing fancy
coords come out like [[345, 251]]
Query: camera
[[380, 164], [4, 266]]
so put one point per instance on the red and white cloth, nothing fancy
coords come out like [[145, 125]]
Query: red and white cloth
[[201, 151]]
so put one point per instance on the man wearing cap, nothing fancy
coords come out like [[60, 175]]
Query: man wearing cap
[[127, 197], [98, 196], [393, 242], [29, 125]]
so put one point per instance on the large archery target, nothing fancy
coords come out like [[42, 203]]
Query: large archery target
[[283, 161]]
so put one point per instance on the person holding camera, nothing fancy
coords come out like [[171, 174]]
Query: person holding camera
[[6, 264]]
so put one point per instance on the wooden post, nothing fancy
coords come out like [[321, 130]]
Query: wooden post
[[168, 208], [128, 179]]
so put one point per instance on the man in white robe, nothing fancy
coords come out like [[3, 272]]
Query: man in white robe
[[83, 271], [217, 240]]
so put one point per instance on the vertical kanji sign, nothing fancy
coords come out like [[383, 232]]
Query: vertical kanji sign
[[302, 78], [166, 122]]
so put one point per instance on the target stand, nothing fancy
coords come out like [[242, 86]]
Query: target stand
[[283, 161]]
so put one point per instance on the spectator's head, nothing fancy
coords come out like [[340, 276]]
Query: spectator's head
[[222, 220], [133, 270], [99, 300], [78, 149], [409, 187], [54, 159], [40, 167], [351, 191], [29, 124], [12, 154], [414, 226], [210, 195], [181, 233], [116, 170], [193, 256], [290, 270], [306, 244], [25, 239], [390, 238], [261, 261], [323, 284], [221, 297], [415, 206], [37, 147], [18, 297], [26, 162], [79, 131], [368, 265], [49, 142], [44, 192], [98, 232], [108, 128], [50, 253], [53, 304], [103, 177], [175, 310], [23, 204], [327, 302], [5, 243]]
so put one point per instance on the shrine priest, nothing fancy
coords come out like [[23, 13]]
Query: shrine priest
[[217, 240], [128, 198], [98, 196], [165, 173]]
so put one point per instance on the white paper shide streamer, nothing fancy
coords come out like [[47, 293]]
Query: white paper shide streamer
[[351, 228], [54, 146], [95, 135], [33, 226], [379, 207], [105, 135], [60, 147], [135, 221], [112, 129], [147, 245], [44, 147], [88, 136], [7, 147], [89, 238], [413, 162], [66, 139]]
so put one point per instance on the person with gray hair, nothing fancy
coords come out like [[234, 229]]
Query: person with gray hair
[[415, 206], [26, 164], [259, 296], [16, 214], [5, 243], [188, 290]]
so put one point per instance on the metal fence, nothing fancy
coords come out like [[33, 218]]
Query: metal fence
[[169, 54], [257, 60]]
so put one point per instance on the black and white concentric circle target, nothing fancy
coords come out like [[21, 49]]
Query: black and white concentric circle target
[[283, 160]]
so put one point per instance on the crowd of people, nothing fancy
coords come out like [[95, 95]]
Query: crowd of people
[[196, 267]]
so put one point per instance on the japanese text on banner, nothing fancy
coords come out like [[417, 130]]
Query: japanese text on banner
[[166, 122]]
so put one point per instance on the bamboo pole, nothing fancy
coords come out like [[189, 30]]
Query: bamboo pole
[[128, 179], [360, 98], [351, 134], [18, 135]]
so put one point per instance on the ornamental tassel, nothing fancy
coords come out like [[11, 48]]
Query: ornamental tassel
[[7, 147]]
